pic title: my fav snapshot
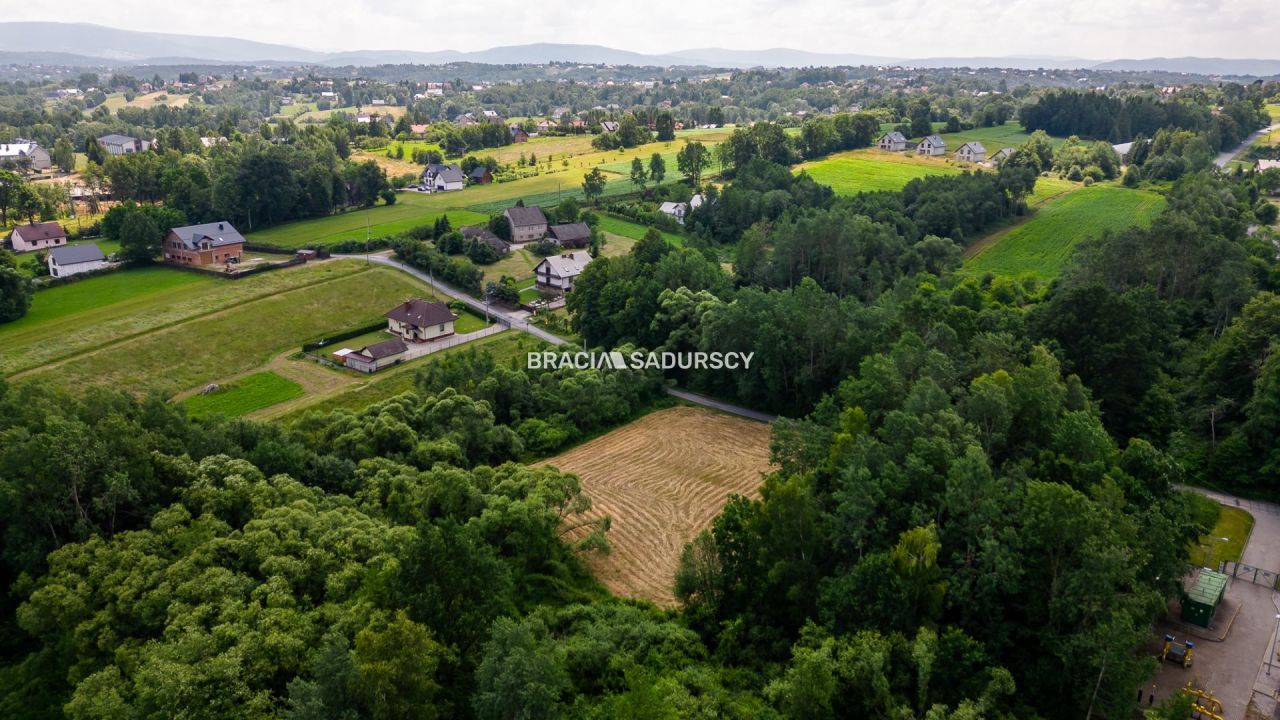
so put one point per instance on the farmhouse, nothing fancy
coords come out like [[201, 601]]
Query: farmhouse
[[69, 260], [36, 236], [893, 142], [972, 151], [558, 271], [571, 235], [1263, 165], [372, 358], [933, 146], [483, 235], [122, 144], [443, 178], [481, 175], [215, 243], [676, 210], [417, 320], [527, 223], [518, 135], [14, 153], [1001, 155]]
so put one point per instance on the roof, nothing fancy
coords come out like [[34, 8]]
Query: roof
[[421, 313], [570, 232], [935, 140], [525, 216], [975, 146], [609, 125], [1004, 151], [40, 231], [484, 236], [447, 173], [386, 348], [1268, 164], [73, 254], [671, 208], [1208, 587], [17, 149], [219, 234], [115, 139], [566, 265], [479, 171], [895, 136]]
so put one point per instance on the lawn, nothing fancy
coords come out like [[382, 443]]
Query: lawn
[[1233, 524], [411, 210], [249, 393], [108, 309], [1041, 245], [1010, 134], [856, 171], [1273, 109], [635, 231]]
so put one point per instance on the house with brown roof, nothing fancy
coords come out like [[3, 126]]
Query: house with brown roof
[[527, 223], [37, 236], [417, 320], [206, 245], [480, 175], [480, 234], [518, 135], [571, 235], [372, 358]]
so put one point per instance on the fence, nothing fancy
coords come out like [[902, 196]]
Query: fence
[[1255, 575], [236, 275]]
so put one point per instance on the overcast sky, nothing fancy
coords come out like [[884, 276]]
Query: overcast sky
[[1102, 29]]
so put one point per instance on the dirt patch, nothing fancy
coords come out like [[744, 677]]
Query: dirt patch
[[662, 479]]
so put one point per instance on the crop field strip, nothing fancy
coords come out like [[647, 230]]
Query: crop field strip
[[662, 479]]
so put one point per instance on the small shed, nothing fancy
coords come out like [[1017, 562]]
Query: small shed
[[1201, 600]]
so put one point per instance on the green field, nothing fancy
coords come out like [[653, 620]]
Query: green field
[[411, 210], [104, 310], [850, 173], [235, 333], [252, 392], [1041, 245], [635, 231]]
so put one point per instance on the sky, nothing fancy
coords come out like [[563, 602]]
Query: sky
[[1094, 29]]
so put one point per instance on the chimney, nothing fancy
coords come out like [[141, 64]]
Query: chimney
[[219, 226]]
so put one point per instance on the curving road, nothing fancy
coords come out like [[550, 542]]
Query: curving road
[[1225, 156], [520, 323]]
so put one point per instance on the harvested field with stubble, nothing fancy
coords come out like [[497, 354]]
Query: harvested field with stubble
[[662, 479]]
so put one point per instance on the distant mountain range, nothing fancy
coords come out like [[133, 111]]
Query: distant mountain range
[[82, 43]]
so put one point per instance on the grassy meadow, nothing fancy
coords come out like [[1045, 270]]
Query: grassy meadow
[[868, 170], [1040, 245], [615, 225], [249, 393]]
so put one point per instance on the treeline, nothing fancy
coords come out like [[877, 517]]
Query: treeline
[[1173, 329], [1099, 116], [250, 182], [470, 138]]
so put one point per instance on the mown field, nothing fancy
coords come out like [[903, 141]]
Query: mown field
[[663, 479], [249, 393], [411, 210], [868, 170], [626, 228], [170, 341], [1040, 245]]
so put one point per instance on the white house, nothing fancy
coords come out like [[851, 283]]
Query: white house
[[972, 151], [122, 144], [1001, 155], [37, 236], [372, 358], [558, 271], [417, 320], [893, 142], [443, 178], [13, 153], [68, 260], [933, 146]]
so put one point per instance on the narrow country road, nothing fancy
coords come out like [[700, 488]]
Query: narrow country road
[[1225, 156], [523, 325]]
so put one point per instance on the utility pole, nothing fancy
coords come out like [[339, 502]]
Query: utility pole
[[368, 229]]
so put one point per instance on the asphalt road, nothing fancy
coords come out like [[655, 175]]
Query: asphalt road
[[1225, 156], [520, 323]]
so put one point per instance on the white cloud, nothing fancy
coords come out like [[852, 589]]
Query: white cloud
[[901, 28]]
